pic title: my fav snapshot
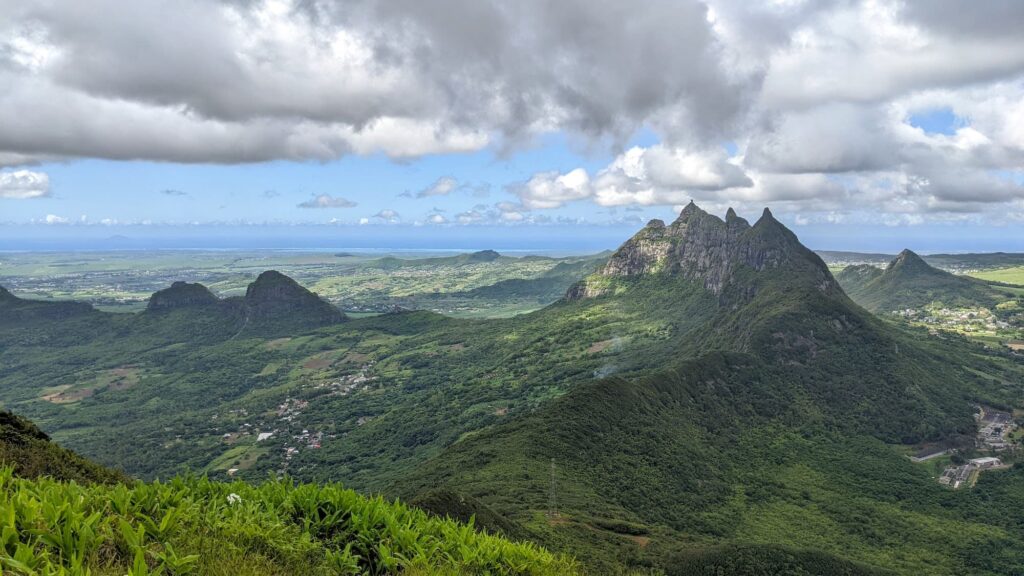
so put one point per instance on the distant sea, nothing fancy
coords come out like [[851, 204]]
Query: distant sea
[[519, 239], [550, 239]]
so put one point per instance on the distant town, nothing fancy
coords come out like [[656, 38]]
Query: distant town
[[996, 429]]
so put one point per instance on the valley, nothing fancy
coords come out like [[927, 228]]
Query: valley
[[511, 288], [708, 391], [482, 284]]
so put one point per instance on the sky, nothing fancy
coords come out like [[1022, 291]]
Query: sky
[[864, 125]]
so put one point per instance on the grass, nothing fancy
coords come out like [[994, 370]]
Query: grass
[[197, 526], [241, 457], [1012, 275]]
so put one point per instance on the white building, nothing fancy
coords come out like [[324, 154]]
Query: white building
[[986, 462]]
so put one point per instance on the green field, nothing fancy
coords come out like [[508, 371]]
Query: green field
[[1014, 275], [358, 283]]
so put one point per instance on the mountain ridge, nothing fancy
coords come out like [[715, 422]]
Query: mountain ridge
[[783, 376], [702, 247], [698, 403]]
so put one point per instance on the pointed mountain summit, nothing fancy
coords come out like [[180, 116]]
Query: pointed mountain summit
[[704, 248], [909, 262], [734, 221], [910, 282], [181, 295], [275, 299]]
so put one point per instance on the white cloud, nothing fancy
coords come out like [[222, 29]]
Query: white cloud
[[388, 215], [441, 187], [662, 175], [553, 190], [327, 201], [22, 184], [469, 217], [870, 51], [54, 219], [647, 176], [298, 80]]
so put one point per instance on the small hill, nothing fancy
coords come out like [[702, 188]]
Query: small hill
[[483, 256], [910, 282], [181, 295], [31, 454]]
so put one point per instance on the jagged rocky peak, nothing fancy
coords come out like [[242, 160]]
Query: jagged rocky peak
[[644, 253], [180, 295], [734, 221], [703, 247]]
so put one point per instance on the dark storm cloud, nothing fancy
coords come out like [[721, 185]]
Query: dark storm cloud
[[252, 81]]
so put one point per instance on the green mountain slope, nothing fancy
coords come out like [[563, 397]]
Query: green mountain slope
[[58, 518], [30, 454], [547, 287], [773, 425], [709, 386], [909, 282], [385, 392]]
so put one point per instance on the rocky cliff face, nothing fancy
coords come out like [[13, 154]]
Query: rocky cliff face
[[180, 295], [704, 248]]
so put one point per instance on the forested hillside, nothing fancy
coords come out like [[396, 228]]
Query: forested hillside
[[708, 396], [909, 282], [786, 435]]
